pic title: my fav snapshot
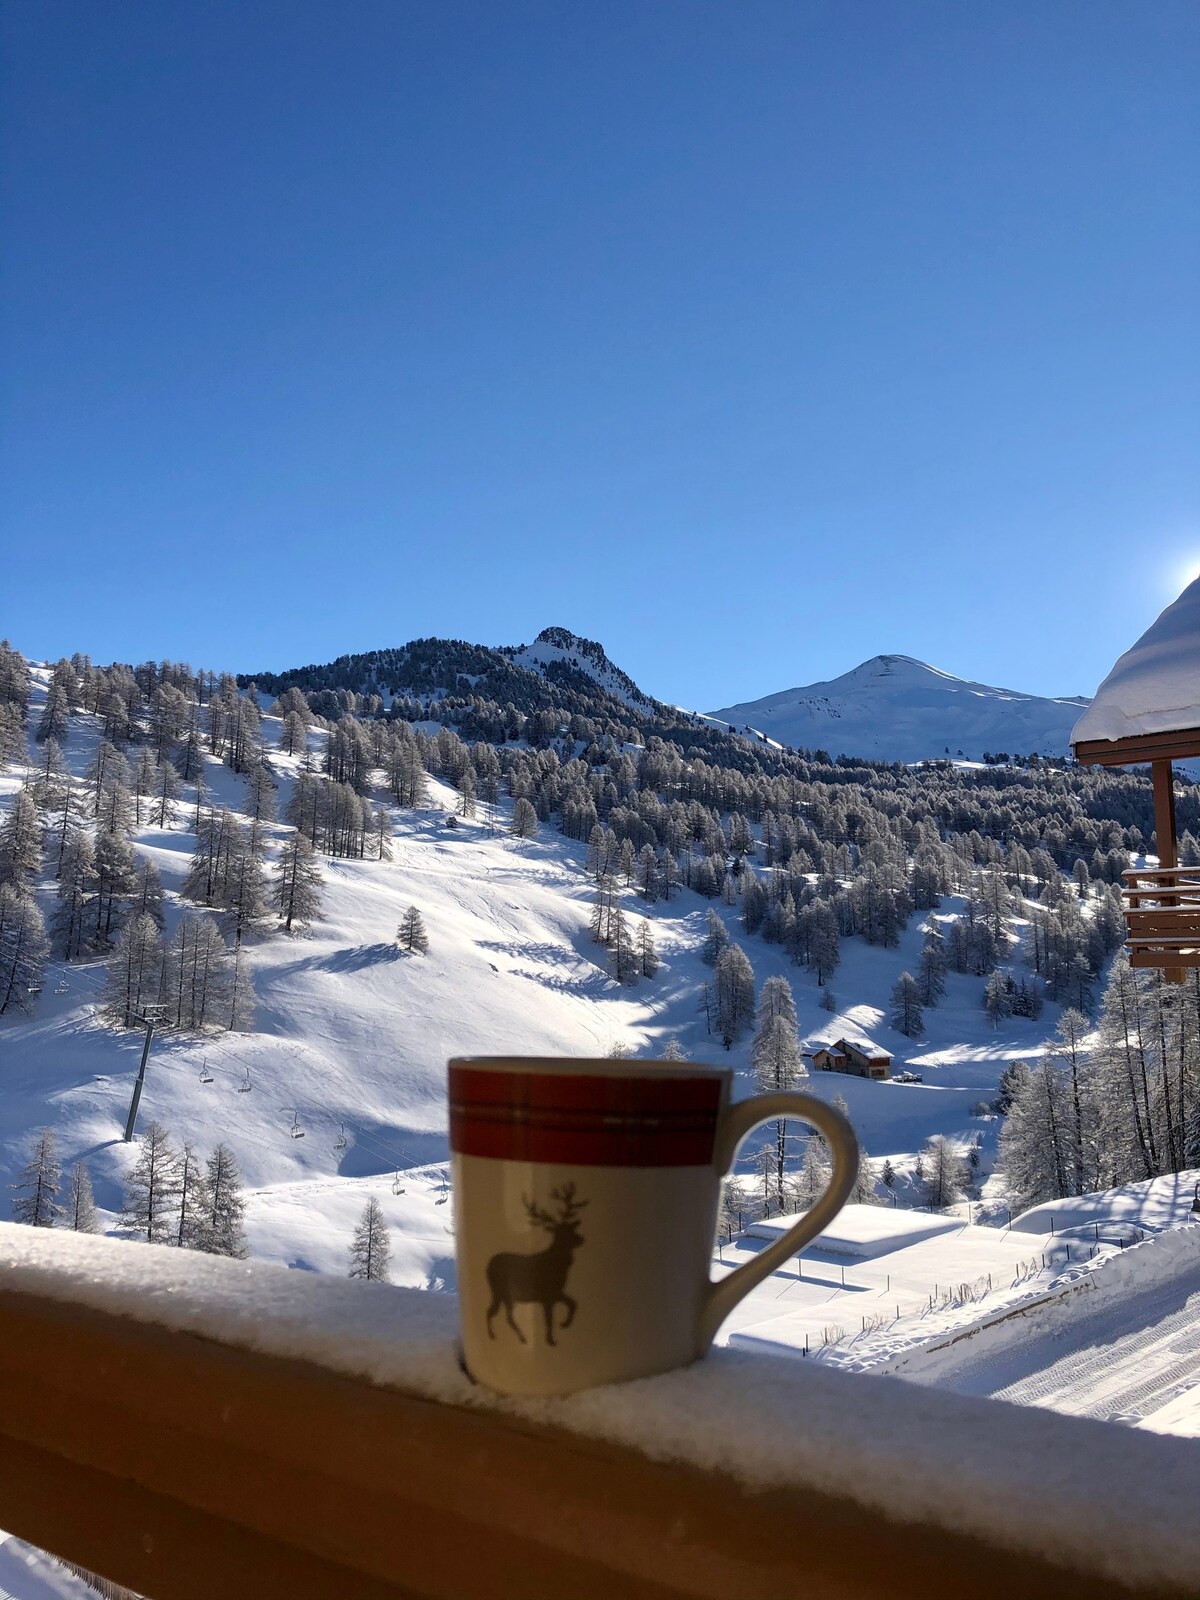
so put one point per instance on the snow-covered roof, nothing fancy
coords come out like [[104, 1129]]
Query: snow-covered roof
[[1155, 686]]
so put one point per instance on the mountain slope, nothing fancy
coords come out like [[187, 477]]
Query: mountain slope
[[895, 708]]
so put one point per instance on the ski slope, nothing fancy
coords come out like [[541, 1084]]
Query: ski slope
[[350, 1038]]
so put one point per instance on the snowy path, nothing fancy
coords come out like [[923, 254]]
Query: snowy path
[[1120, 1361]]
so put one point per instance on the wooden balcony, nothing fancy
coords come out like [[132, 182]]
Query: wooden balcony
[[1162, 915], [194, 1428]]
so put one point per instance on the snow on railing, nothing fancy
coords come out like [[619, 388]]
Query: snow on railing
[[193, 1426]]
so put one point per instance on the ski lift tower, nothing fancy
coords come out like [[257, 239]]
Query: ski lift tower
[[1147, 712], [147, 1018]]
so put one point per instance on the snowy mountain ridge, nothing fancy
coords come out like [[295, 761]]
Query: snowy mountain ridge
[[896, 708]]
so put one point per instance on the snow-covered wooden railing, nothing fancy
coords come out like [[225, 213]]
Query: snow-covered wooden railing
[[192, 1427], [1162, 914]]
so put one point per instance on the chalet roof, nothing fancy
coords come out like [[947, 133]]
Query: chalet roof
[[1155, 686], [855, 1042]]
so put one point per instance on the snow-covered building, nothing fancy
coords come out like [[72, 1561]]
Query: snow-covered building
[[859, 1057], [1148, 710]]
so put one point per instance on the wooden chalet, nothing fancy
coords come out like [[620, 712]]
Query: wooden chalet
[[857, 1057], [1147, 711]]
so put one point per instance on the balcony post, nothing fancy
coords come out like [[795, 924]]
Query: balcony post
[[1164, 828]]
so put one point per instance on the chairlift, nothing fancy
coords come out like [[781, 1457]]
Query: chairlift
[[63, 987], [296, 1131], [397, 1186], [205, 1075], [245, 1086], [445, 1194], [35, 988], [339, 1143]]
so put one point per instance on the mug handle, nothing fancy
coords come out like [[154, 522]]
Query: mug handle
[[736, 1122]]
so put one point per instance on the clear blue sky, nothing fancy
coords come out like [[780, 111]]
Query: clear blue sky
[[751, 339]]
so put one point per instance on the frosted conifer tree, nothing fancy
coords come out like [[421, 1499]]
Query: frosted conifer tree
[[133, 971], [80, 1210], [224, 1232], [906, 1007], [23, 948], [716, 939], [647, 953], [775, 1058], [38, 1185], [734, 994], [20, 839], [411, 934], [72, 920], [524, 823], [371, 1249], [194, 1202], [152, 1188], [297, 883], [944, 1173], [931, 968]]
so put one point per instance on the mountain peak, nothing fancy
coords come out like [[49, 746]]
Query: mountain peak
[[897, 708]]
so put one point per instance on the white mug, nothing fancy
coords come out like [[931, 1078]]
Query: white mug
[[585, 1198]]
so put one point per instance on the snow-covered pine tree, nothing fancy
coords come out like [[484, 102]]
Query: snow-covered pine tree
[[224, 1233], [411, 934], [133, 972], [38, 1185], [371, 1249], [152, 1188], [734, 982], [72, 921], [79, 1212], [906, 1007], [21, 840], [716, 939], [524, 823], [776, 1059], [297, 883], [647, 953], [194, 1202], [931, 967], [813, 1178], [23, 948], [944, 1173], [623, 962]]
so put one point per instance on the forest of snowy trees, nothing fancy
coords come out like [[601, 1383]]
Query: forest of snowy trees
[[804, 852]]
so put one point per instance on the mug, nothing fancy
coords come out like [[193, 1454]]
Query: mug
[[586, 1200]]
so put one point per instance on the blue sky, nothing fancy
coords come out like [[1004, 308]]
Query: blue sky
[[751, 339]]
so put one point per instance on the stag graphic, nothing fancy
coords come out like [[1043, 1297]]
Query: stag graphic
[[540, 1278]]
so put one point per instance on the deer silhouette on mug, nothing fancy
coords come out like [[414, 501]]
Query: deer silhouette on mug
[[540, 1278]]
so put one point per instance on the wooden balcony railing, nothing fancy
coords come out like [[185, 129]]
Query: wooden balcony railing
[[195, 1428], [1162, 915]]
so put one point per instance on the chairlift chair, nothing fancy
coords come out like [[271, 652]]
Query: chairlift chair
[[296, 1131], [205, 1075], [339, 1143], [397, 1186], [245, 1086], [62, 987]]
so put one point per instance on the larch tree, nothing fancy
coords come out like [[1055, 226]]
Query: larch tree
[[524, 823], [38, 1185], [944, 1172], [224, 1230], [371, 1249], [71, 923], [297, 883], [194, 1201], [152, 1188], [647, 952], [906, 1007], [716, 939], [411, 934], [734, 979], [776, 1059], [23, 948], [79, 1212], [21, 840], [133, 972]]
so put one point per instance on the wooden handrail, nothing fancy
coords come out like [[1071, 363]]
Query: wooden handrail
[[188, 1466]]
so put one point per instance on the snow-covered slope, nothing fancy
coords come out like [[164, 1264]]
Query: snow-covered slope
[[350, 1039], [894, 708]]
